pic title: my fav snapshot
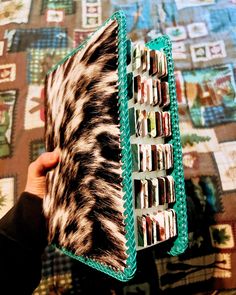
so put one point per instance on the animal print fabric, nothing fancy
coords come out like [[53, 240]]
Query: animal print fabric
[[84, 205]]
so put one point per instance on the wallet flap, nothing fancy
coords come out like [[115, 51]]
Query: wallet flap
[[89, 200]]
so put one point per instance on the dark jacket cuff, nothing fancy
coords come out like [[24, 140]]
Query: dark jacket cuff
[[25, 223]]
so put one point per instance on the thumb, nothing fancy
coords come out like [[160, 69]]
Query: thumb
[[44, 162]]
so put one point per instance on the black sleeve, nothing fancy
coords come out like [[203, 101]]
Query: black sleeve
[[22, 241]]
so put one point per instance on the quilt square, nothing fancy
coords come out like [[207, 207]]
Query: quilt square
[[66, 5], [205, 192], [55, 16], [177, 33], [34, 109], [91, 14], [40, 61], [200, 52], [196, 270], [7, 73], [23, 39], [222, 236], [217, 49], [7, 194], [15, 11], [225, 159], [60, 263], [224, 267], [198, 139], [196, 30], [179, 50], [211, 95], [7, 106], [1, 47]]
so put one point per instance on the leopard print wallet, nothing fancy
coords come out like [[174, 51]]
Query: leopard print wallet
[[111, 112]]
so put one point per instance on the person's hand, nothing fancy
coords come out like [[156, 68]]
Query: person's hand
[[36, 178]]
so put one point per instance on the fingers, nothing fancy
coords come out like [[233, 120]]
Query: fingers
[[36, 180], [44, 162]]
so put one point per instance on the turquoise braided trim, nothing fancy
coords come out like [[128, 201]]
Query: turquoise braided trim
[[126, 158], [125, 147], [180, 207]]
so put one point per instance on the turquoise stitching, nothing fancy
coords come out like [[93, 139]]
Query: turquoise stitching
[[181, 242], [126, 147]]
